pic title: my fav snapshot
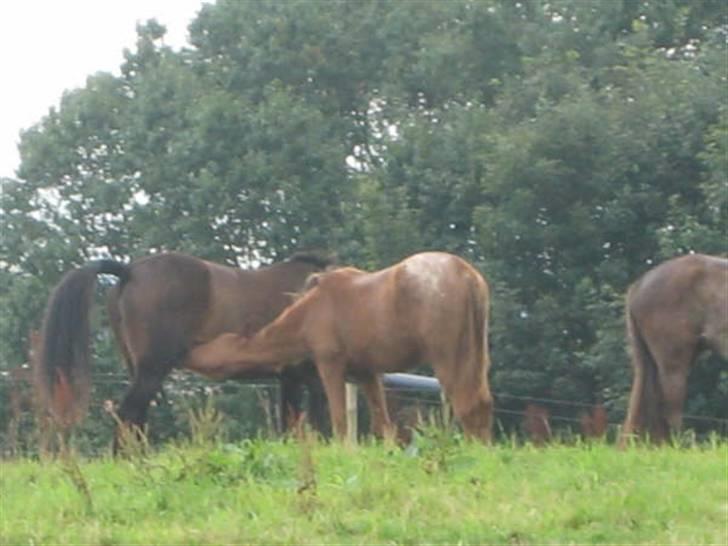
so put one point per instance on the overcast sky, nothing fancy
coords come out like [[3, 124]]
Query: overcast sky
[[48, 46]]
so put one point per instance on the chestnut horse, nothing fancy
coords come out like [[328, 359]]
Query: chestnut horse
[[673, 312], [163, 305], [429, 308]]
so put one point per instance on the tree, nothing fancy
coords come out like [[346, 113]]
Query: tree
[[562, 146]]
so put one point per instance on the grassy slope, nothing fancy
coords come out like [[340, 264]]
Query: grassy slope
[[442, 492]]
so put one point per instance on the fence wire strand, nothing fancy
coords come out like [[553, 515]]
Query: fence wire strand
[[400, 394]]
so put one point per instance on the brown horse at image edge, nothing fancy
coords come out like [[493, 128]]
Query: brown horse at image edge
[[429, 308], [161, 307], [674, 312]]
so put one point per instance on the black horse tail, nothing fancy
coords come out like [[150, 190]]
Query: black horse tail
[[63, 367], [644, 415]]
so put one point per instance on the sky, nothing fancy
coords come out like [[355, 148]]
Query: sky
[[49, 46]]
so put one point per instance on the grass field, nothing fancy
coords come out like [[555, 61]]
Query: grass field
[[439, 490]]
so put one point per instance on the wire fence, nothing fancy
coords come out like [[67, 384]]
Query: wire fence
[[184, 381], [252, 409]]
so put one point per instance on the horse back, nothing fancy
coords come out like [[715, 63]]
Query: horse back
[[243, 301], [698, 276], [406, 312], [439, 284]]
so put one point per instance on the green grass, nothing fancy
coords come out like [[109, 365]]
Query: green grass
[[438, 491]]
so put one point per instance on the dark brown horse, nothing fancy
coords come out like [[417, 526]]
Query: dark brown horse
[[431, 307], [162, 306], [673, 313]]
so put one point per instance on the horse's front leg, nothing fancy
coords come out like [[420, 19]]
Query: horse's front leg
[[374, 392], [332, 371]]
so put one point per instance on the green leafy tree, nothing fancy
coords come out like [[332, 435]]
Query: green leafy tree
[[563, 146]]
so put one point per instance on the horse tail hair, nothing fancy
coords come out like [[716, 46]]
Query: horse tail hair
[[63, 367], [473, 349], [477, 411], [478, 310], [480, 298], [644, 413]]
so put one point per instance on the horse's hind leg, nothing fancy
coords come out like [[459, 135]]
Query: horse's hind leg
[[148, 378], [674, 360], [673, 383]]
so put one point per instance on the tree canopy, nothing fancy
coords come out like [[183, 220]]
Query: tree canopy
[[563, 146]]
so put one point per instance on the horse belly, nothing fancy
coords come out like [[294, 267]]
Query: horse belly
[[384, 356]]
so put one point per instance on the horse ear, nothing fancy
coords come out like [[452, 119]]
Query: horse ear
[[311, 282]]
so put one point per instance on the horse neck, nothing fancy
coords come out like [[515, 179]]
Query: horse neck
[[281, 341]]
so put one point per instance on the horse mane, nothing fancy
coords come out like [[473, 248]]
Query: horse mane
[[313, 280], [317, 259]]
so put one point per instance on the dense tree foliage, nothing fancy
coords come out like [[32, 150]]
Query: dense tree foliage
[[564, 147]]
